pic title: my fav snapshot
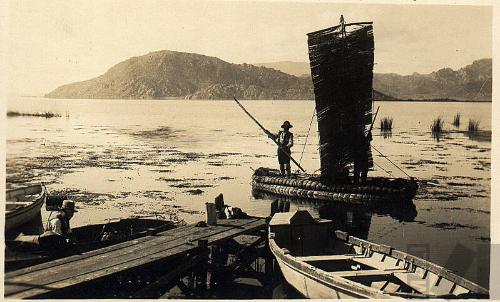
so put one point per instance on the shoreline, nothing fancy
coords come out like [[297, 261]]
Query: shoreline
[[230, 99]]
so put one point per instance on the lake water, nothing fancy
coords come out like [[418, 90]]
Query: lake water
[[122, 158]]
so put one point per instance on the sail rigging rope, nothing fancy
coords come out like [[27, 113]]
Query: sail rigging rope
[[308, 131], [386, 171], [391, 162]]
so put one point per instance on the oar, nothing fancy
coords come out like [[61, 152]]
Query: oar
[[267, 133]]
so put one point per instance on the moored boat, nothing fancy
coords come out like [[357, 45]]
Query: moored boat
[[325, 264], [23, 205], [25, 251]]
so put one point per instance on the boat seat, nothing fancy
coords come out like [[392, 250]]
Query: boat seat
[[422, 287], [326, 258], [379, 284], [363, 273], [24, 198], [369, 261], [386, 286], [21, 203], [391, 287]]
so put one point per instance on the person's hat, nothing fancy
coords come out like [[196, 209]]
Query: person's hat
[[68, 205], [286, 124]]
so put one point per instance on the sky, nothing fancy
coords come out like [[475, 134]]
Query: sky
[[51, 43]]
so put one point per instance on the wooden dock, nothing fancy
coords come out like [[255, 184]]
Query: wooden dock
[[64, 275]]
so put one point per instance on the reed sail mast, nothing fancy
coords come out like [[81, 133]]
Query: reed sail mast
[[341, 59]]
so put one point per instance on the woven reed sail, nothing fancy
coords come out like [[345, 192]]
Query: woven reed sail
[[341, 59]]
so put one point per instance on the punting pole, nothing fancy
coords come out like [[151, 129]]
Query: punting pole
[[375, 117], [267, 132]]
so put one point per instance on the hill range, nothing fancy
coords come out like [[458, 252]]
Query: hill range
[[169, 74]]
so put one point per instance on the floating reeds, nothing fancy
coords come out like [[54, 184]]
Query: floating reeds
[[456, 120], [47, 114], [473, 126], [386, 124], [437, 125]]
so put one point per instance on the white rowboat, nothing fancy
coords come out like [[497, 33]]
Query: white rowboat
[[325, 264]]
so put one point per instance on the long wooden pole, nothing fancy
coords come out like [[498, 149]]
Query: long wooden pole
[[375, 117], [267, 133]]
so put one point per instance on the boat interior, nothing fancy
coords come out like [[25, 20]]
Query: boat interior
[[22, 197]]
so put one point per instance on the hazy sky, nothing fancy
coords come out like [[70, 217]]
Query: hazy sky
[[56, 42]]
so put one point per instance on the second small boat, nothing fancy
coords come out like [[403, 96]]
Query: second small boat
[[322, 263]]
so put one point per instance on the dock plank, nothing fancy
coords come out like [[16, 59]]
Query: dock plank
[[94, 253], [75, 270]]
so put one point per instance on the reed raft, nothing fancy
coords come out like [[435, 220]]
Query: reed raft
[[309, 186]]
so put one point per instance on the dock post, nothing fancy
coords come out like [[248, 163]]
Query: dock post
[[202, 271], [211, 213], [268, 260]]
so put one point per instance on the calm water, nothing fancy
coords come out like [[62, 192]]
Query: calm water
[[121, 158]]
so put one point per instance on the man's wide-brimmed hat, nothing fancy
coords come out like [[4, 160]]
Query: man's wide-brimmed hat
[[286, 124], [68, 205]]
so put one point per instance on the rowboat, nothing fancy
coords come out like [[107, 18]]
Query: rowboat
[[341, 59], [322, 263], [23, 205], [24, 251]]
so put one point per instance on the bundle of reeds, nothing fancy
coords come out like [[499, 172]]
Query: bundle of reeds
[[386, 124], [473, 125], [47, 114], [437, 125], [456, 120]]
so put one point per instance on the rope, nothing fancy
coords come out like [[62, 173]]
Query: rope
[[388, 172], [391, 162], [308, 131]]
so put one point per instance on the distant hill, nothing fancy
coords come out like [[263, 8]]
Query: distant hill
[[298, 69], [472, 82], [171, 74]]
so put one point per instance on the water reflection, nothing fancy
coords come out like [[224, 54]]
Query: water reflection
[[386, 133], [352, 218], [437, 135], [479, 136]]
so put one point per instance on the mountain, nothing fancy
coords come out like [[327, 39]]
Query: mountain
[[298, 69], [171, 74], [472, 82]]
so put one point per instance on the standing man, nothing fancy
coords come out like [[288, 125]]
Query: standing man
[[362, 157], [285, 140]]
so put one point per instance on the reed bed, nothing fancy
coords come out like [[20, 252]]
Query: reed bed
[[456, 120], [386, 124], [437, 125], [47, 114], [473, 126]]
